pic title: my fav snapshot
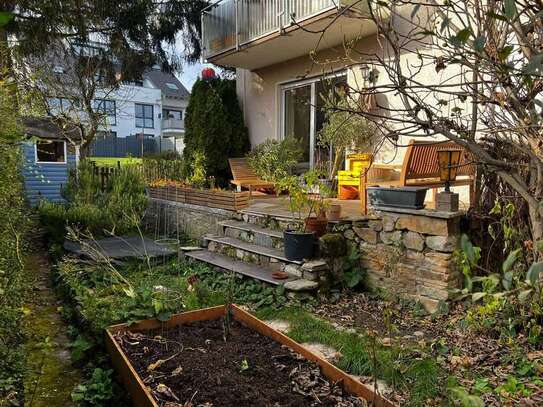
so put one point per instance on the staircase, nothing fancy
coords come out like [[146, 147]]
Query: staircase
[[254, 250]]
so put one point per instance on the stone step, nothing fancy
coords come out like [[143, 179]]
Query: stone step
[[251, 227], [274, 255], [253, 233], [240, 267], [274, 220]]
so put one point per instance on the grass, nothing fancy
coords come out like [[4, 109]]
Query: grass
[[101, 302], [409, 370], [112, 161]]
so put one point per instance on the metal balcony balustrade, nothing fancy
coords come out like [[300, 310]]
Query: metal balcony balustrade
[[173, 124], [230, 24]]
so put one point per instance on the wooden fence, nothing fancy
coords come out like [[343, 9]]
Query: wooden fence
[[151, 170]]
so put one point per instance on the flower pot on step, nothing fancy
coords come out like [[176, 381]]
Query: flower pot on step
[[298, 245], [316, 225]]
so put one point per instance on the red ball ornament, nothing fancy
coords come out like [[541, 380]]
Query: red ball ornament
[[208, 74]]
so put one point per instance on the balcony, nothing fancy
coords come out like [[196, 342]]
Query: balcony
[[252, 34], [173, 126]]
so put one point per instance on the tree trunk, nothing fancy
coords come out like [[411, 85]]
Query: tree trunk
[[536, 223]]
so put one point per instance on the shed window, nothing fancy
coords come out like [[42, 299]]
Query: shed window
[[51, 151]]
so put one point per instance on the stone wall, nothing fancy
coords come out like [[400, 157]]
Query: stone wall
[[167, 218], [409, 253]]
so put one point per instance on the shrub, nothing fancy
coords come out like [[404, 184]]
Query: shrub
[[160, 167], [125, 200], [119, 209], [14, 224], [214, 126], [274, 160]]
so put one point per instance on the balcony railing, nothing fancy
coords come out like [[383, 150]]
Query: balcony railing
[[229, 24], [173, 124]]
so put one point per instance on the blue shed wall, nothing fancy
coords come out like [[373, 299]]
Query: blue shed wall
[[44, 181]]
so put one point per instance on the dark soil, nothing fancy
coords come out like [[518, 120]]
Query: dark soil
[[192, 365]]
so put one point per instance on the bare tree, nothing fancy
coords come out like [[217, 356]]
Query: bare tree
[[73, 84], [469, 71]]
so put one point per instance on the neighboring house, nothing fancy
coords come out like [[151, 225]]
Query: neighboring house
[[47, 159], [143, 117]]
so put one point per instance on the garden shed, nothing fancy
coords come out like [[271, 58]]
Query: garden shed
[[48, 154]]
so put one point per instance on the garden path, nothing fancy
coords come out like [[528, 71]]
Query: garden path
[[50, 376]]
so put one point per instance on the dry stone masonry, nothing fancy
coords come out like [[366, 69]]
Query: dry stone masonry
[[409, 252]]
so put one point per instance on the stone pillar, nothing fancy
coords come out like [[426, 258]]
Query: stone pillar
[[410, 253]]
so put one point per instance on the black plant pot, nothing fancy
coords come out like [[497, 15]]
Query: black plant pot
[[402, 197], [298, 245]]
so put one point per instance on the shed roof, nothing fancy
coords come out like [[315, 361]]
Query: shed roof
[[48, 128]]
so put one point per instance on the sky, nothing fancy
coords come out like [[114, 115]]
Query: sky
[[190, 74]]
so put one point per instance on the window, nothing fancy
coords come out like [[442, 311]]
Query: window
[[133, 83], [144, 116], [108, 108], [172, 86], [59, 105], [172, 114], [303, 115], [51, 151]]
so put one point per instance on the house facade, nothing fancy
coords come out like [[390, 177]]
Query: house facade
[[142, 117], [288, 55]]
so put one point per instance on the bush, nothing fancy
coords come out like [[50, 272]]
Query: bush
[[214, 127], [163, 167], [14, 224], [119, 209]]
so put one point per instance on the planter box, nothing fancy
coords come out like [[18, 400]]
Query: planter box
[[141, 395], [158, 192], [404, 197], [229, 200]]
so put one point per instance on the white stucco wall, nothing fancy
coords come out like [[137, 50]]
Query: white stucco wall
[[259, 91], [126, 98]]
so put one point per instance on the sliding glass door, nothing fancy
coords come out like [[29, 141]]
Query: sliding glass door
[[303, 116]]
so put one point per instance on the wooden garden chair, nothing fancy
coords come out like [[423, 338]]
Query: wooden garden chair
[[245, 177], [420, 168]]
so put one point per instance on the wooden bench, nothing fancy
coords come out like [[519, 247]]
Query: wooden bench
[[420, 168], [245, 177]]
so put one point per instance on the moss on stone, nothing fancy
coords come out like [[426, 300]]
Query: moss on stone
[[333, 245]]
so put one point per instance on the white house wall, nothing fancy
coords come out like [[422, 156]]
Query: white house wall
[[126, 98], [259, 91]]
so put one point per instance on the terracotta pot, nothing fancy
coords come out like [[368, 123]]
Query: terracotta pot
[[316, 225], [334, 212]]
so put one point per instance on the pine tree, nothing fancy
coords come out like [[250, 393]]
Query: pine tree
[[214, 126]]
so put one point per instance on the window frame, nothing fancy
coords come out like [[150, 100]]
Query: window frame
[[51, 162], [144, 118], [285, 86], [100, 106]]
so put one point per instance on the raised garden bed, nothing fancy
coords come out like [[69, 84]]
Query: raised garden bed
[[187, 360], [230, 200]]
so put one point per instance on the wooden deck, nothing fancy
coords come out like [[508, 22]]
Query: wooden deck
[[277, 207]]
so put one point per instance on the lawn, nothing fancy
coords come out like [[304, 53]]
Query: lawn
[[112, 161]]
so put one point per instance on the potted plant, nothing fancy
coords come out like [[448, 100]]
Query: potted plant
[[275, 161], [308, 212], [344, 131]]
